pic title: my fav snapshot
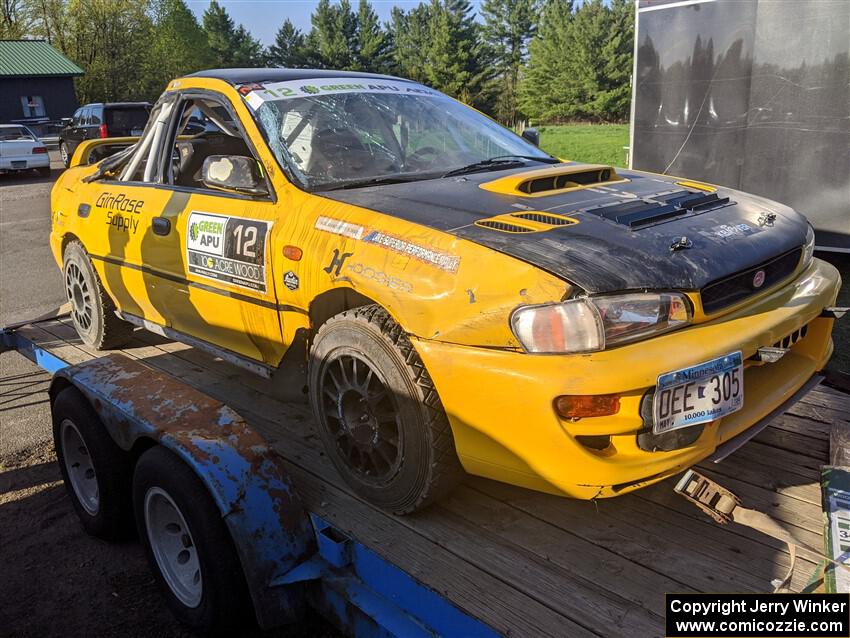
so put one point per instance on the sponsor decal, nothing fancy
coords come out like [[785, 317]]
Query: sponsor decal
[[228, 249], [339, 227], [725, 233], [332, 86], [382, 278], [337, 262], [446, 262], [291, 281], [121, 211]]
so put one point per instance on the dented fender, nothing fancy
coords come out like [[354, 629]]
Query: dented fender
[[246, 478]]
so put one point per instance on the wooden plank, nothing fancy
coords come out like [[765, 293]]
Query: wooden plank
[[826, 397], [700, 554], [801, 425], [797, 443]]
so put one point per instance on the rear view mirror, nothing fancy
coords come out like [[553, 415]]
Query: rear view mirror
[[233, 173], [531, 135]]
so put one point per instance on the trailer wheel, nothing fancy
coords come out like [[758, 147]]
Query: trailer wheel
[[95, 470], [188, 546], [92, 310], [380, 417]]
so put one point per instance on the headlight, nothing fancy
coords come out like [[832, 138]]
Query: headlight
[[589, 324], [809, 247]]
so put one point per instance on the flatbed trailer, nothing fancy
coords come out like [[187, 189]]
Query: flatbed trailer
[[492, 559]]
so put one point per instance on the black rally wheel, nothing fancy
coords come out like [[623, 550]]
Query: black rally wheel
[[189, 547], [95, 470], [380, 418], [92, 310]]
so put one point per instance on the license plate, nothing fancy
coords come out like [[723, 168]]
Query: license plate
[[698, 394], [19, 163], [136, 132]]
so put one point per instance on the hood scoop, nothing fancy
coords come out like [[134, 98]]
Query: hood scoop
[[561, 178]]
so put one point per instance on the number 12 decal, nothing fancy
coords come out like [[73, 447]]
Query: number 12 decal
[[228, 249]]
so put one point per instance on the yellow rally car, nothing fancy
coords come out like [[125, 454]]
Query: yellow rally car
[[463, 300]]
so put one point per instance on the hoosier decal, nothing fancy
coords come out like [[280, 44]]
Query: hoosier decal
[[228, 249]]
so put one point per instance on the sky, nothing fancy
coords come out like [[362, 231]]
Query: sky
[[263, 17]]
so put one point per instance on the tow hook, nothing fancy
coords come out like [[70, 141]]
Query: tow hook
[[834, 312]]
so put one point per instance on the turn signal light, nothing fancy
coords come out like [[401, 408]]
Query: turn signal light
[[292, 252], [587, 405]]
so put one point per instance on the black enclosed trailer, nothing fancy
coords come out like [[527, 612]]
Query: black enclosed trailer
[[750, 94]]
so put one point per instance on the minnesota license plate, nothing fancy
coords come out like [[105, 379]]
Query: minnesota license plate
[[698, 394]]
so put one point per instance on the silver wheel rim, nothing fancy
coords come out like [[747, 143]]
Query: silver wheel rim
[[173, 547], [79, 466], [63, 150], [78, 293]]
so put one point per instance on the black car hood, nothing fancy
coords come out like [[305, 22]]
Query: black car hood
[[603, 253]]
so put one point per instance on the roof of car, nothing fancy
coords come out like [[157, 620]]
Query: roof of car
[[246, 76]]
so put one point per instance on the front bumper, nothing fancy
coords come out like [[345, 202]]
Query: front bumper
[[500, 402]]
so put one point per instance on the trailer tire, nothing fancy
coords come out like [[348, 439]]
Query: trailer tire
[[92, 309], [181, 528], [379, 415], [95, 470]]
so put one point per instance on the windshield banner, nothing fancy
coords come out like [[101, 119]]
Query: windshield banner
[[272, 91]]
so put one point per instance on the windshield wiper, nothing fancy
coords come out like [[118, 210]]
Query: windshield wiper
[[373, 181], [499, 161]]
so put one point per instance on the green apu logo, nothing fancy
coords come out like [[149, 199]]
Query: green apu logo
[[193, 231], [310, 89]]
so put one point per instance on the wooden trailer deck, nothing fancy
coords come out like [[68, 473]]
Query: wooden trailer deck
[[530, 564]]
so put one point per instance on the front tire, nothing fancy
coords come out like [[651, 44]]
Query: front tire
[[380, 417], [66, 155], [95, 470], [92, 310], [189, 547]]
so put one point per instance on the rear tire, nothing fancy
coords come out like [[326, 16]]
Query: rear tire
[[92, 310], [95, 470], [189, 547], [380, 418], [66, 156]]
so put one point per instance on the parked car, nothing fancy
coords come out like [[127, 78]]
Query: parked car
[[99, 121], [21, 150], [462, 300]]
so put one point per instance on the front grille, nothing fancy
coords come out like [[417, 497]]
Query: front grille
[[730, 290]]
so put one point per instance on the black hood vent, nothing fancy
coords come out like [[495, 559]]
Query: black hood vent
[[642, 212]]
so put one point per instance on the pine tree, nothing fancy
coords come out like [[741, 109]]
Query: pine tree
[[371, 42], [508, 27], [333, 34], [411, 39], [288, 48], [179, 45], [545, 90], [230, 46]]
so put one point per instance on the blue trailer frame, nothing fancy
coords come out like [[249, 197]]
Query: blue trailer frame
[[291, 557]]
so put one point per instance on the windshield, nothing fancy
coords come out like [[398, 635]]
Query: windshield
[[15, 133], [350, 131]]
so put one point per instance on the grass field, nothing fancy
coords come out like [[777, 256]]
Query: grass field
[[592, 143]]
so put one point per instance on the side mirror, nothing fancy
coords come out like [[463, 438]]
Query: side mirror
[[66, 120], [233, 173], [531, 135]]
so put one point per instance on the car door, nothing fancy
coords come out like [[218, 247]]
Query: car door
[[118, 215], [217, 258], [78, 134]]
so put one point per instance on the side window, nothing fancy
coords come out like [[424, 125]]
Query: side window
[[77, 117], [203, 127], [142, 164], [95, 116], [84, 120]]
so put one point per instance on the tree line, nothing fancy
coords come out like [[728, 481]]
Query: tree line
[[544, 60]]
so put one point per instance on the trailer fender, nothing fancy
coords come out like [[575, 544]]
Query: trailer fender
[[247, 479]]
